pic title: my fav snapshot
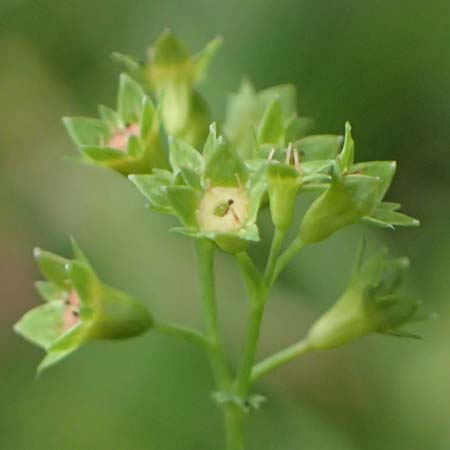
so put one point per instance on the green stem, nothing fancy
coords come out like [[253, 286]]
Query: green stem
[[185, 333], [233, 417], [234, 425], [279, 359], [205, 255], [284, 259], [275, 248]]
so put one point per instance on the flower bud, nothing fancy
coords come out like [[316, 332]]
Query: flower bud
[[371, 303], [78, 308]]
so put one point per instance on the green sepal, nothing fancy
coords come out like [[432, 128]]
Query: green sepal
[[63, 347], [49, 291], [129, 100], [103, 155], [346, 157], [384, 170], [343, 203], [52, 267], [149, 120], [297, 127], [318, 147], [203, 59], [168, 52], [271, 128], [392, 218], [154, 188], [212, 141], [86, 131], [42, 325], [135, 147], [225, 168], [283, 182], [111, 118], [84, 281], [187, 160], [184, 200], [370, 303], [133, 67], [285, 94]]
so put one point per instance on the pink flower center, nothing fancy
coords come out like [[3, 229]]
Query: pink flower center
[[119, 139], [71, 315]]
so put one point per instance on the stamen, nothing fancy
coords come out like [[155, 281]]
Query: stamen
[[272, 152]]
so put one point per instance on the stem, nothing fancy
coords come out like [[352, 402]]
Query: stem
[[296, 245], [279, 359], [205, 255], [275, 248], [188, 334], [233, 417], [234, 425]]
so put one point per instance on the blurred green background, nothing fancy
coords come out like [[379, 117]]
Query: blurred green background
[[383, 65]]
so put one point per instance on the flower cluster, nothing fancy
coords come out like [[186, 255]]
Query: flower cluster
[[215, 178]]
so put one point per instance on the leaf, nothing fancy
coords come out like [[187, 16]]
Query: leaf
[[86, 131]]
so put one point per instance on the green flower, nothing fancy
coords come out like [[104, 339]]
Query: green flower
[[79, 308], [214, 194], [172, 73], [266, 118], [126, 140], [355, 194], [303, 166], [371, 303]]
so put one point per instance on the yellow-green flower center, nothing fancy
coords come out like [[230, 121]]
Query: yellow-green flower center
[[223, 209]]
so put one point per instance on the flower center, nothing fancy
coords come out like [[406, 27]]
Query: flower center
[[119, 140], [71, 314], [223, 209]]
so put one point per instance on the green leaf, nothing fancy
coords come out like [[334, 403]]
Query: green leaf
[[318, 147], [86, 131], [225, 168], [271, 129], [130, 100], [184, 201], [203, 59], [42, 325], [154, 188], [52, 267]]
